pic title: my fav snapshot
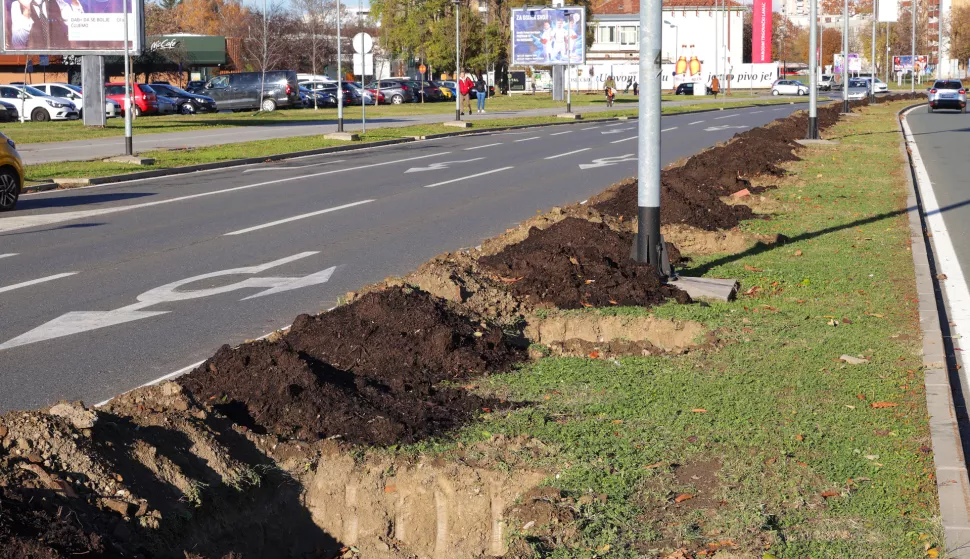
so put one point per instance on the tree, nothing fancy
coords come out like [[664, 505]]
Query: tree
[[311, 15], [266, 40], [957, 32]]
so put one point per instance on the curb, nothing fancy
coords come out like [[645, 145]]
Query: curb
[[45, 187], [952, 482]]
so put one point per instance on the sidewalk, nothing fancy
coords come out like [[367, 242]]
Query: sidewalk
[[100, 148]]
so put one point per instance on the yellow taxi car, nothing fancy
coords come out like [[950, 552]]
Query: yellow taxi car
[[11, 174], [446, 93]]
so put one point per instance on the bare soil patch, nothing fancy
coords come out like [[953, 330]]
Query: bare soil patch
[[609, 336]]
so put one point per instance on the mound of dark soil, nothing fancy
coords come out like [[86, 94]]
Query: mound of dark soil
[[365, 372], [577, 263], [34, 526]]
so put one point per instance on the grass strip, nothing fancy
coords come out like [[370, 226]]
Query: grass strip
[[791, 451]]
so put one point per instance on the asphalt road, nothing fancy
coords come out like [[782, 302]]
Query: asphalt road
[[100, 148], [105, 288], [941, 138]]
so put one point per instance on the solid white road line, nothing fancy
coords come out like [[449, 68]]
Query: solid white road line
[[624, 140], [297, 217], [590, 128], [7, 255], [668, 129], [755, 112], [35, 282], [483, 147], [528, 139], [284, 168], [561, 133], [467, 177], [14, 223], [568, 153], [722, 117], [695, 122]]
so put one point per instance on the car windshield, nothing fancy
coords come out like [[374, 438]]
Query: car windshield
[[858, 83], [72, 87], [146, 89], [949, 84], [32, 90], [175, 90]]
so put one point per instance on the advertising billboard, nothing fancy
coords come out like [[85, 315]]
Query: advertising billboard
[[548, 36], [855, 63], [761, 32], [887, 11], [71, 26], [905, 63]]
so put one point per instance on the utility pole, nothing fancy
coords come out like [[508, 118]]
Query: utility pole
[[128, 107], [340, 78], [912, 25], [648, 242], [813, 73], [457, 60], [845, 57], [939, 41], [872, 60]]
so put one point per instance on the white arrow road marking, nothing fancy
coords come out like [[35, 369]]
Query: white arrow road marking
[[624, 140], [8, 255], [13, 223], [440, 165], [568, 153], [723, 127], [285, 168], [483, 147], [467, 177], [607, 161], [36, 281], [755, 112], [77, 322], [297, 217]]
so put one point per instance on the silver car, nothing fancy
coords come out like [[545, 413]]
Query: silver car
[[858, 89], [948, 94]]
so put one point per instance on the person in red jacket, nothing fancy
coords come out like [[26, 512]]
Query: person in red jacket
[[465, 87]]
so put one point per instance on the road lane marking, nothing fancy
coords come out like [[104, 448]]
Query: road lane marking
[[467, 177], [607, 161], [617, 124], [617, 131], [695, 122], [440, 165], [297, 218], [590, 128], [668, 129], [755, 112], [8, 255], [35, 281], [624, 140], [284, 168], [561, 133], [568, 153], [720, 117], [14, 223], [483, 147], [527, 139]]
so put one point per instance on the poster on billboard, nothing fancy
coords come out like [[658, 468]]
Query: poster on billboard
[[855, 63], [905, 63], [548, 36], [72, 26], [761, 32], [887, 11]]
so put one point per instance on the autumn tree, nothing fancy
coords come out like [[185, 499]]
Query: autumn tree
[[312, 20], [957, 32]]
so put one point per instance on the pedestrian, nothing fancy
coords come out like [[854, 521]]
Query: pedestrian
[[636, 88], [715, 86], [464, 90], [469, 91], [481, 90]]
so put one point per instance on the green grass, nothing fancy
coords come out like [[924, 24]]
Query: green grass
[[785, 421]]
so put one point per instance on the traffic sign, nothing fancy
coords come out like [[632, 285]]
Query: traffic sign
[[363, 43], [422, 68]]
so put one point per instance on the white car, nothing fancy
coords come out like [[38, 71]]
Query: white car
[[789, 87], [881, 86], [74, 94], [36, 105]]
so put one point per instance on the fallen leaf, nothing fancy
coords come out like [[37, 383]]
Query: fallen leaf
[[802, 464], [941, 277], [850, 407], [872, 456], [853, 360], [879, 405], [932, 553], [833, 322], [586, 305], [573, 260], [752, 268], [799, 438], [753, 290], [699, 410], [860, 396], [652, 466], [827, 494], [877, 315], [617, 422], [683, 497], [612, 302], [390, 489], [590, 281], [798, 252], [594, 354], [529, 524]]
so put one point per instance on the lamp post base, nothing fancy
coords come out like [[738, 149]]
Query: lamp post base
[[812, 128]]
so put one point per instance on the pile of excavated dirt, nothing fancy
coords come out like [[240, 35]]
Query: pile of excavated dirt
[[576, 263], [364, 372]]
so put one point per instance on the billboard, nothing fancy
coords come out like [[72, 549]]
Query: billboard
[[905, 63], [887, 11], [761, 32], [855, 63], [548, 36], [71, 26]]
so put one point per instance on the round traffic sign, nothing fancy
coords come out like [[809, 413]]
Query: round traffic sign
[[363, 43], [422, 68]]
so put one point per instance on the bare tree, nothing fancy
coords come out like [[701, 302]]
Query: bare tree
[[266, 41], [312, 17]]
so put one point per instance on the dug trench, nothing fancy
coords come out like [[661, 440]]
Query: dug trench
[[275, 448]]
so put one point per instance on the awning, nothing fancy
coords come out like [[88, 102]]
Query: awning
[[195, 50]]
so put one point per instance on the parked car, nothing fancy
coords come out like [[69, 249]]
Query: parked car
[[75, 94], [187, 103], [366, 95], [248, 90], [195, 86], [395, 91], [947, 94], [9, 112], [688, 89], [37, 105], [449, 85], [351, 94], [789, 87], [144, 100], [880, 87], [167, 105], [11, 174], [858, 89], [428, 91], [324, 99], [825, 83]]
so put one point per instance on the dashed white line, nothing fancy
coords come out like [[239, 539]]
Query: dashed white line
[[667, 129], [527, 139], [285, 168], [722, 117], [617, 124], [561, 133], [467, 177], [568, 153], [624, 140], [35, 281], [590, 128], [695, 122], [755, 112], [483, 147], [8, 255], [297, 217]]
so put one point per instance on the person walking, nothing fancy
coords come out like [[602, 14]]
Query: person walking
[[636, 88], [715, 86], [481, 90], [465, 87]]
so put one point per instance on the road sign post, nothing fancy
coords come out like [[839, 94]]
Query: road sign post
[[363, 43]]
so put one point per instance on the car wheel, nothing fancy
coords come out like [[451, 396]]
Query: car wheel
[[9, 189], [397, 99], [268, 105], [187, 109], [136, 112], [774, 92], [40, 115]]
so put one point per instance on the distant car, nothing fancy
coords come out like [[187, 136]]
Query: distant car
[[37, 105], [446, 92], [880, 86], [426, 91], [789, 87], [144, 100], [947, 94], [75, 94], [252, 90], [167, 105], [188, 103], [351, 94], [688, 89], [449, 85], [366, 95], [825, 83], [9, 112], [858, 89], [324, 99], [11, 174], [195, 86], [395, 91]]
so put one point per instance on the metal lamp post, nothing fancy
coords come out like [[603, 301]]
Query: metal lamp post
[[676, 40], [128, 108], [845, 57], [648, 242], [872, 61], [483, 9], [912, 26], [813, 73], [939, 41], [340, 78], [457, 59]]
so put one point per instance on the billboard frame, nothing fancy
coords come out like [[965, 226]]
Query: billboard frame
[[546, 8], [137, 41]]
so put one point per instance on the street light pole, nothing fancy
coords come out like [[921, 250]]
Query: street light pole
[[128, 108], [676, 40], [912, 26], [648, 242], [457, 60], [813, 74], [845, 57], [872, 61], [340, 78]]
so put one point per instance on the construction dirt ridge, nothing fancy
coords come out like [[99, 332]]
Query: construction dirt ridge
[[275, 448]]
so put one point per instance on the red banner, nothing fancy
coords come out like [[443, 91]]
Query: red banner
[[761, 32]]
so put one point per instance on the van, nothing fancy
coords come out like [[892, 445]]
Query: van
[[242, 91]]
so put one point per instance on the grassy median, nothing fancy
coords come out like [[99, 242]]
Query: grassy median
[[765, 442]]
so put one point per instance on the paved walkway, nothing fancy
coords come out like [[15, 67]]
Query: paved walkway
[[83, 150]]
